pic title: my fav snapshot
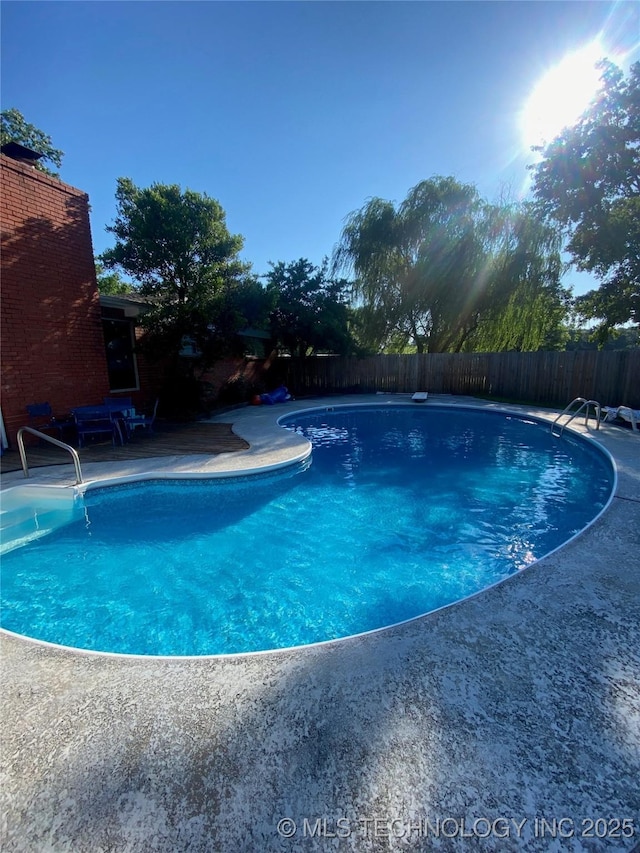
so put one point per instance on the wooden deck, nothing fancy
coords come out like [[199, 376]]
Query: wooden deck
[[166, 440]]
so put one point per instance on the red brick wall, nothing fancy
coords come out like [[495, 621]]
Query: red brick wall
[[52, 345]]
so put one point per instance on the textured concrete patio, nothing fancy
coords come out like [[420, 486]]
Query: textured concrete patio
[[509, 721]]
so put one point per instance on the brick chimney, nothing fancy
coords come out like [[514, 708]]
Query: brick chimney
[[21, 153]]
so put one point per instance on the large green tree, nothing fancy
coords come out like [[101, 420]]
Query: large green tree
[[15, 128], [311, 312], [439, 269], [243, 304], [588, 182], [414, 265], [530, 305], [176, 246]]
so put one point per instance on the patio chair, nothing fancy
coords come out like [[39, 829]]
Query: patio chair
[[625, 413], [631, 416], [119, 404], [96, 421], [41, 418], [140, 420], [120, 408]]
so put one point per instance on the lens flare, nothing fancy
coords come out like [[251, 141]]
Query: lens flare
[[562, 95]]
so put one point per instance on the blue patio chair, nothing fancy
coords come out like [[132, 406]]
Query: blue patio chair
[[120, 408], [140, 420], [41, 418], [96, 421], [118, 404]]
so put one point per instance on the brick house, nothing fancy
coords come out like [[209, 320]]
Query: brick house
[[62, 342], [52, 321]]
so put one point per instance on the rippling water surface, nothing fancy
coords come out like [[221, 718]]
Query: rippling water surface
[[400, 512]]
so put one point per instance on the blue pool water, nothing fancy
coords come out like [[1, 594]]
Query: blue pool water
[[401, 511]]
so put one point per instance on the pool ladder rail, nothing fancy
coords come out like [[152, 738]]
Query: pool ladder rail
[[584, 405], [44, 437]]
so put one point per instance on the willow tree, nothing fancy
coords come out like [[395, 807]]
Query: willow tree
[[442, 265], [419, 268], [526, 269]]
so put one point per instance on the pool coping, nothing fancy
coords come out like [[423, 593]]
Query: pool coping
[[431, 665]]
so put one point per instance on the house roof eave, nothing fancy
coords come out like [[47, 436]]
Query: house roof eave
[[131, 304]]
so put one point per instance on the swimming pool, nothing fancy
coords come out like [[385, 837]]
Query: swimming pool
[[402, 511]]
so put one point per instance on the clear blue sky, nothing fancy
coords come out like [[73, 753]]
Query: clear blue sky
[[290, 114]]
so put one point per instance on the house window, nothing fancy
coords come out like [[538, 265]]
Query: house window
[[121, 359]]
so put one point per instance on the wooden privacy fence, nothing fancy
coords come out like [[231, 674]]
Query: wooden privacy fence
[[551, 378]]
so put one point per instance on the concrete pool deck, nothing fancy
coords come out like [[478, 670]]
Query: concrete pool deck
[[508, 721]]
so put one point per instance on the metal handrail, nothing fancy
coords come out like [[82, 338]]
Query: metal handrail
[[42, 435], [584, 404]]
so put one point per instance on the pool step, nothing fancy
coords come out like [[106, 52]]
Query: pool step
[[29, 512]]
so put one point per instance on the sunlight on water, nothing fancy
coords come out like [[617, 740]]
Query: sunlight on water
[[401, 511]]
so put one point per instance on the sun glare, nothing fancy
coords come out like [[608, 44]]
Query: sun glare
[[562, 95]]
